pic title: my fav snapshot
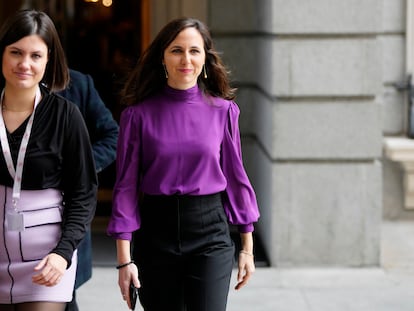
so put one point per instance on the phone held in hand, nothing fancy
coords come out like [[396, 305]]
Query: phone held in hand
[[133, 295]]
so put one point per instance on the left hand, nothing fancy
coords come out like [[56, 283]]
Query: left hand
[[246, 269], [51, 269]]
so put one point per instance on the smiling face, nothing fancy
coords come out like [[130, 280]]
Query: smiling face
[[184, 59], [24, 62]]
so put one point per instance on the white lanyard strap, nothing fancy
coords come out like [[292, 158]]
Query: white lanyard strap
[[17, 172]]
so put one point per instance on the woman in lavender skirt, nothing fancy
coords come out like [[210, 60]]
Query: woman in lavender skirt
[[47, 175]]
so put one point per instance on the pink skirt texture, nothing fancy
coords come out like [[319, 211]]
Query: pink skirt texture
[[21, 251]]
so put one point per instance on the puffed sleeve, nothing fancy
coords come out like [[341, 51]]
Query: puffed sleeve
[[125, 217], [239, 201]]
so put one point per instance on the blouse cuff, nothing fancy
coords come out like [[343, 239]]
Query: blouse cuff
[[122, 236], [245, 228]]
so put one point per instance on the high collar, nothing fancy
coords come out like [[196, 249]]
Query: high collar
[[182, 95]]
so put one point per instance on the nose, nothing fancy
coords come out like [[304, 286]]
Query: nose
[[186, 58], [24, 62]]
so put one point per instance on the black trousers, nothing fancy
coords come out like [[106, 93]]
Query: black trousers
[[184, 253]]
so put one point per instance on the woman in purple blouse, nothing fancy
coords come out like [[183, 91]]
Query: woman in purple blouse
[[180, 177]]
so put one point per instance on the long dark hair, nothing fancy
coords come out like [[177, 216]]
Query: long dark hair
[[31, 22], [148, 76]]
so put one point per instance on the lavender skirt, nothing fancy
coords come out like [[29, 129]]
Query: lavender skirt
[[21, 251]]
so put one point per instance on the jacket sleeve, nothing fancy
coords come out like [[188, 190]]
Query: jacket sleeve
[[79, 184], [102, 128]]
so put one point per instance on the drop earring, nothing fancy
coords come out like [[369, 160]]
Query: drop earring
[[204, 71], [165, 70]]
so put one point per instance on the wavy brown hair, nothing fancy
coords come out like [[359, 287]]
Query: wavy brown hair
[[148, 76], [31, 22]]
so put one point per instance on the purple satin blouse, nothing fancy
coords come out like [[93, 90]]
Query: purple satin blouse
[[180, 142]]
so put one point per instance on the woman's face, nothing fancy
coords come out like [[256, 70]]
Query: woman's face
[[24, 62], [184, 59]]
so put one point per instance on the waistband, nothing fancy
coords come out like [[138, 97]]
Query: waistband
[[181, 200], [32, 199]]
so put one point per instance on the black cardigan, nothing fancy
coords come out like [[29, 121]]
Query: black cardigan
[[59, 156]]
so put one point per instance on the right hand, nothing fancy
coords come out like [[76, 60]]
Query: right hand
[[50, 270], [126, 275]]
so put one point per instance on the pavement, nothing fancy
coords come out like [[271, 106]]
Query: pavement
[[389, 287]]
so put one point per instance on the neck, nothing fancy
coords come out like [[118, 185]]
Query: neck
[[18, 101]]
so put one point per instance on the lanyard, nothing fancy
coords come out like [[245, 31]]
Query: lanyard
[[17, 172]]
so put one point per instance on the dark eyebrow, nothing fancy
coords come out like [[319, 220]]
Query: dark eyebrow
[[180, 47], [18, 49]]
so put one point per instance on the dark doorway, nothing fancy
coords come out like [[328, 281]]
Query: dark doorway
[[105, 42]]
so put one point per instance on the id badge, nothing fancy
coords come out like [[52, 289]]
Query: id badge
[[15, 221]]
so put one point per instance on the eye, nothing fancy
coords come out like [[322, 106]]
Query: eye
[[15, 52], [36, 56], [176, 51], [195, 51]]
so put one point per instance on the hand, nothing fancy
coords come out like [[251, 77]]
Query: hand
[[246, 269], [127, 275], [51, 269]]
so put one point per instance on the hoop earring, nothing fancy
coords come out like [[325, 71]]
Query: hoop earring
[[165, 70], [204, 71]]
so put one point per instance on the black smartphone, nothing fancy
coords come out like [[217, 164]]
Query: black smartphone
[[133, 295]]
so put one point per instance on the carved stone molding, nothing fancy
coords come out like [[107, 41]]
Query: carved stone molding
[[401, 150]]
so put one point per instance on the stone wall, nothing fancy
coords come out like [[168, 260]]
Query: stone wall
[[309, 75]]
